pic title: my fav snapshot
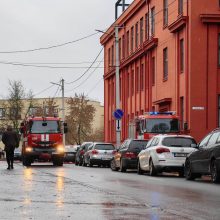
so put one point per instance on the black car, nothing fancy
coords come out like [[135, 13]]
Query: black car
[[70, 153], [206, 160], [80, 153], [126, 155]]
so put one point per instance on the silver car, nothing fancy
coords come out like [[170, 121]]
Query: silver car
[[99, 154], [165, 153]]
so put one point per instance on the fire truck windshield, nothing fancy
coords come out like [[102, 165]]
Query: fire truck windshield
[[42, 127], [161, 125]]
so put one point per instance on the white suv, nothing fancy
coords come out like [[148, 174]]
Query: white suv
[[165, 153]]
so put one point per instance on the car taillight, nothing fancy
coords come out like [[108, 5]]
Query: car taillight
[[130, 155], [95, 152], [82, 152], [161, 150], [114, 152]]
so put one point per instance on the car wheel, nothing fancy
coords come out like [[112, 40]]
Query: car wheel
[[215, 174], [113, 166], [139, 170], [153, 170], [122, 167], [188, 171], [90, 163], [58, 162]]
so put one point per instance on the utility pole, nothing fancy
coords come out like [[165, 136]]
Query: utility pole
[[117, 82], [63, 110], [63, 107]]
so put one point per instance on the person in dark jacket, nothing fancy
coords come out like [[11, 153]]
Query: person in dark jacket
[[11, 141]]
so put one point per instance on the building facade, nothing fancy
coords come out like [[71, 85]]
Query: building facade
[[169, 52]]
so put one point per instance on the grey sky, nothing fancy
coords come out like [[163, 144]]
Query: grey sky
[[29, 24]]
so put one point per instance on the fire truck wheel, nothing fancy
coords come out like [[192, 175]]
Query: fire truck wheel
[[58, 162], [26, 162]]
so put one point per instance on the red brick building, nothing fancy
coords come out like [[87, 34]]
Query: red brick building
[[169, 60]]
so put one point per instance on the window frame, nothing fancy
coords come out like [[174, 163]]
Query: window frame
[[218, 50], [132, 39], [165, 63], [153, 70], [137, 35], [152, 21], [141, 30], [147, 26], [182, 55], [165, 13], [180, 7]]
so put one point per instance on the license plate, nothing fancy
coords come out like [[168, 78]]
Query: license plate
[[180, 154]]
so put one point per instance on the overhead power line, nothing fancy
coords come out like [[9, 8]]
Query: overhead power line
[[44, 66], [85, 79], [49, 47], [87, 69], [43, 90]]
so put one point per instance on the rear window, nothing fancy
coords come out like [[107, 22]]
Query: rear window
[[178, 142], [139, 144], [104, 147]]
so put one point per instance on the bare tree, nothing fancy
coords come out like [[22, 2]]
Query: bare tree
[[79, 118]]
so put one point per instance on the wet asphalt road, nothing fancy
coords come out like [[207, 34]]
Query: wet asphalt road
[[70, 192]]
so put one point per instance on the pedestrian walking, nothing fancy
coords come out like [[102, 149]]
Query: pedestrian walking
[[11, 141]]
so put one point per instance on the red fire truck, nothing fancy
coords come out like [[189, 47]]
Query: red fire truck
[[152, 123], [42, 139]]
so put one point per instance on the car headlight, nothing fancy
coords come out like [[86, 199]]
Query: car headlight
[[28, 149], [60, 149]]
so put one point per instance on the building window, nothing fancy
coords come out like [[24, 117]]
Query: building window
[[142, 77], [219, 50], [119, 45], [112, 63], [109, 58], [2, 113], [152, 21], [147, 26], [180, 7], [182, 112], [181, 55], [132, 82], [219, 111], [128, 85], [113, 93], [141, 30], [165, 12], [132, 39], [153, 70], [165, 63], [15, 113], [123, 47], [136, 35], [128, 43], [137, 79]]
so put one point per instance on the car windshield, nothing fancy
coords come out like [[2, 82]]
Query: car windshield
[[104, 147], [162, 125], [138, 144], [178, 142], [42, 127]]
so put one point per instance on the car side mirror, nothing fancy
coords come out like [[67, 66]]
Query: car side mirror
[[195, 146], [65, 127]]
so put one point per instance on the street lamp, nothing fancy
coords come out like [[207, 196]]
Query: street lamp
[[117, 82]]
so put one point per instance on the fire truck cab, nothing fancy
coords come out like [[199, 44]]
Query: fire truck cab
[[42, 139], [153, 123]]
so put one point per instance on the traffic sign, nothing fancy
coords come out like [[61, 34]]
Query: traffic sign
[[118, 114], [118, 125]]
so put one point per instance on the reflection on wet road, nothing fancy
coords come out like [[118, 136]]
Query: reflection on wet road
[[70, 192]]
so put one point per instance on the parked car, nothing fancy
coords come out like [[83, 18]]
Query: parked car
[[99, 154], [165, 153], [126, 155], [80, 153], [70, 153], [17, 154], [206, 160]]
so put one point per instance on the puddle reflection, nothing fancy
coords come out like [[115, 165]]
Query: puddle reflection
[[60, 188]]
